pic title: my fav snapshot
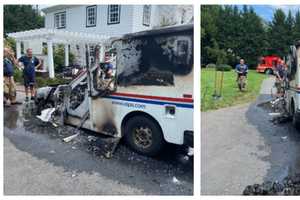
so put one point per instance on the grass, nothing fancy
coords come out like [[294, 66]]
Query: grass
[[230, 92]]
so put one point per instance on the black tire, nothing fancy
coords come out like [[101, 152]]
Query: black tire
[[268, 71], [296, 123], [143, 135], [295, 119]]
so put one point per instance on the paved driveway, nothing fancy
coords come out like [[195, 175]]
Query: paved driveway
[[240, 146]]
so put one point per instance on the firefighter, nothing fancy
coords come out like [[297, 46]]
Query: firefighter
[[10, 94], [280, 74]]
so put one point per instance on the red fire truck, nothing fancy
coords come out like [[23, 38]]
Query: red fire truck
[[267, 63]]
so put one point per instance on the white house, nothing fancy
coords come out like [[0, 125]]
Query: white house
[[72, 24], [115, 20]]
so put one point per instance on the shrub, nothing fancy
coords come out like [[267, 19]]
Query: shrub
[[10, 42], [211, 65], [18, 75], [59, 57], [223, 67], [42, 82]]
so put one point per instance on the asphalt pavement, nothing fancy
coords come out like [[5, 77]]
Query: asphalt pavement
[[240, 146], [38, 162]]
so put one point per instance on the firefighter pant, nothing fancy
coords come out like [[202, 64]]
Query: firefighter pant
[[10, 92]]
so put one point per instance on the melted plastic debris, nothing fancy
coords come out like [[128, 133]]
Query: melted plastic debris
[[289, 186]]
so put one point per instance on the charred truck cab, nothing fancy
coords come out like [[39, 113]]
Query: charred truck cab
[[293, 91], [144, 95]]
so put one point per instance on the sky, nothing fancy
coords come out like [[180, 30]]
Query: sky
[[266, 11]]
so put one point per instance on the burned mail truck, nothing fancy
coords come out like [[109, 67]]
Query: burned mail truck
[[143, 93]]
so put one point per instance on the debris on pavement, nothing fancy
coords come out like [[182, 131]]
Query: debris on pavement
[[91, 138], [176, 181], [46, 114], [73, 175], [284, 137], [277, 111], [52, 152], [289, 186], [77, 131]]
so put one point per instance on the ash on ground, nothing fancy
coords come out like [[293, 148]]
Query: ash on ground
[[289, 186]]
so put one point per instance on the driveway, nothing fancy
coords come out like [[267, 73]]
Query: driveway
[[241, 146], [37, 162]]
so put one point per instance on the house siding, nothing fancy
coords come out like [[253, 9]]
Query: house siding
[[76, 20]]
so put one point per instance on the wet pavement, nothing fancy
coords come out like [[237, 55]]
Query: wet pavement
[[37, 161], [242, 146]]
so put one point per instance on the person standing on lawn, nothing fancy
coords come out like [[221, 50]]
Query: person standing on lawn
[[30, 63], [10, 93], [241, 69]]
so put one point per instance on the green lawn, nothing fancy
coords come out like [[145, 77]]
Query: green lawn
[[230, 92]]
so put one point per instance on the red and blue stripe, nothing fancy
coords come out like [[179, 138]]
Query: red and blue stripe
[[157, 100]]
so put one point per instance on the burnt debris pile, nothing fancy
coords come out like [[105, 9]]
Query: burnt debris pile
[[289, 186]]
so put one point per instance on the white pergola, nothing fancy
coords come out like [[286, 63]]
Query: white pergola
[[55, 36]]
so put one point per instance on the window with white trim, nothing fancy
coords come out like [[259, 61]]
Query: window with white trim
[[91, 16], [113, 14], [146, 15], [60, 20]]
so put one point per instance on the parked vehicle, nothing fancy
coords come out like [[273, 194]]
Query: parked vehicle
[[147, 98], [267, 64], [292, 94]]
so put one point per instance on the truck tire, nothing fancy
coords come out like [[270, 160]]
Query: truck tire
[[295, 119], [143, 135]]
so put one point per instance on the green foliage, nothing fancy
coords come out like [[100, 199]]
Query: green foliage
[[20, 18], [296, 29], [18, 75], [42, 81], [10, 42], [223, 67], [230, 92], [229, 34], [211, 65], [59, 57]]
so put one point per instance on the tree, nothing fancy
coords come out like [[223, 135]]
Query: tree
[[289, 28], [21, 18], [277, 34], [252, 41], [209, 30], [296, 30], [232, 33]]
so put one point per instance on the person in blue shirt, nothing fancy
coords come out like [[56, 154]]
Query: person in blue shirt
[[280, 73], [10, 94], [241, 69], [30, 63]]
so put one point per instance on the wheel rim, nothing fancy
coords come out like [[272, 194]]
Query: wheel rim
[[142, 137]]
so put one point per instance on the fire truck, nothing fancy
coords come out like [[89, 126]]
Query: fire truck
[[267, 64]]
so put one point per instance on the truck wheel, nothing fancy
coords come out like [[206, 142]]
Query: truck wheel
[[144, 136], [296, 123], [268, 71], [296, 120]]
